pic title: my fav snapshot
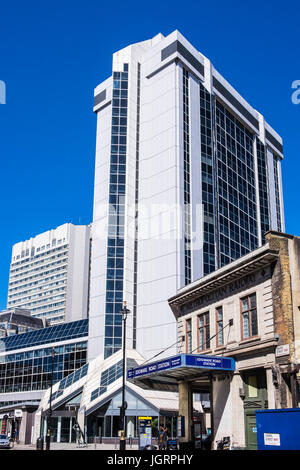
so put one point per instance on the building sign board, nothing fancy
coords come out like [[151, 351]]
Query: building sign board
[[181, 361], [226, 290], [217, 294], [208, 362], [169, 363]]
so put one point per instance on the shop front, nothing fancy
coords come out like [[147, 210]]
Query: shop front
[[17, 420], [104, 420]]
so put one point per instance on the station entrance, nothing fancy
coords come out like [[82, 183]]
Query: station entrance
[[187, 374]]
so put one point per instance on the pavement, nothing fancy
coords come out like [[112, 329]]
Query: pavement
[[73, 446]]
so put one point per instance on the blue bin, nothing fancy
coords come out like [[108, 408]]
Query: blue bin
[[278, 429]]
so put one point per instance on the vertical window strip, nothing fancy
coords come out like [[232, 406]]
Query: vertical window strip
[[263, 189], [117, 191], [277, 196], [186, 176], [207, 174]]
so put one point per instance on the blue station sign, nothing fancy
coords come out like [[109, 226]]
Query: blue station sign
[[180, 361]]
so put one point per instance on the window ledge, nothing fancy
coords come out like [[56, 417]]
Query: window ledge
[[203, 351], [220, 348], [250, 340]]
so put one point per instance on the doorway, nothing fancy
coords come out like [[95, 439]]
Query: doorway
[[255, 387]]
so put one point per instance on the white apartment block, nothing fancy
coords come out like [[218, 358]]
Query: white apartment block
[[49, 274], [187, 179]]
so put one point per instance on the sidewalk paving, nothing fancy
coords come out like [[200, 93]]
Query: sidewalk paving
[[73, 446]]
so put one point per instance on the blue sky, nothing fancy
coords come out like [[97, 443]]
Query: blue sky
[[52, 56]]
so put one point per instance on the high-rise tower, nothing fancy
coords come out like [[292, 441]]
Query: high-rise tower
[[49, 274], [187, 179]]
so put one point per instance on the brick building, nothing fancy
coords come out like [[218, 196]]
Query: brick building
[[247, 310]]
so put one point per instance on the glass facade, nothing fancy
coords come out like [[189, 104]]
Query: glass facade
[[208, 185], [53, 334], [70, 379], [263, 189], [235, 186], [117, 190], [186, 178], [228, 184], [110, 375], [31, 369], [108, 424], [277, 196]]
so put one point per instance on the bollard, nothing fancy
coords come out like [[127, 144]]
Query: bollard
[[40, 443]]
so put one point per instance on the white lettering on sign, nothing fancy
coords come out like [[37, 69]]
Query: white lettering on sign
[[163, 365], [271, 439]]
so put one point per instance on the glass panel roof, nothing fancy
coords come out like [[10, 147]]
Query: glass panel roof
[[52, 334]]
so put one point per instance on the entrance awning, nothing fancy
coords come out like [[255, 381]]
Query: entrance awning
[[165, 374]]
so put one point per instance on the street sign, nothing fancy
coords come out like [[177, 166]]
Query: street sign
[[18, 413], [283, 350]]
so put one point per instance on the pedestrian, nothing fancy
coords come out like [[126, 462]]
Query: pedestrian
[[165, 439], [161, 438]]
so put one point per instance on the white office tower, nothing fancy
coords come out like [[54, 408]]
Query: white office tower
[[49, 274], [182, 158]]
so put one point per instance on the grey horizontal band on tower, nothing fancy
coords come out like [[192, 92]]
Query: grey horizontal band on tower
[[274, 142], [100, 97], [235, 102], [176, 46]]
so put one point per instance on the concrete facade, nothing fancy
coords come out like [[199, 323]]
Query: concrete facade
[[49, 274]]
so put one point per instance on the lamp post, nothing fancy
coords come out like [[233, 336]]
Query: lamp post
[[49, 421], [123, 407]]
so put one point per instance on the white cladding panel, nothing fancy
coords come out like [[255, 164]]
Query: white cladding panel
[[158, 226]]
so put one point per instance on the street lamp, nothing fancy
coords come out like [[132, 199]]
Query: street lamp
[[49, 421], [123, 407]]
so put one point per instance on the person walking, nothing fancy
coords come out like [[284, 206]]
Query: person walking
[[165, 439], [160, 438]]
